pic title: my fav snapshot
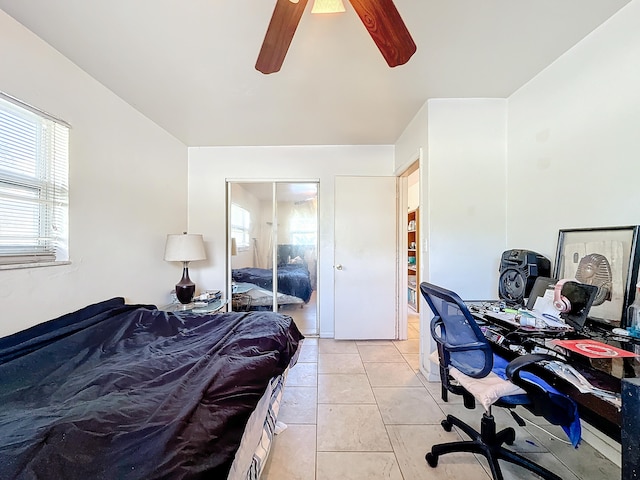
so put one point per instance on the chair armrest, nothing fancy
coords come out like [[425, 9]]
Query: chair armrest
[[514, 366], [538, 394]]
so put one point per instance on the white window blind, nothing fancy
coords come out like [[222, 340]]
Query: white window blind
[[34, 191]]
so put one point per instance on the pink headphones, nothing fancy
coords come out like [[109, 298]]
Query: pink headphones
[[559, 302]]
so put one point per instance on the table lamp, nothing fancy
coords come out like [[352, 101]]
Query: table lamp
[[185, 248]]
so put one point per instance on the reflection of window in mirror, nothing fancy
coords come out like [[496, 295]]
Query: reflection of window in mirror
[[303, 223], [240, 226]]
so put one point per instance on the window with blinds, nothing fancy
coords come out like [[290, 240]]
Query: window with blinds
[[34, 192]]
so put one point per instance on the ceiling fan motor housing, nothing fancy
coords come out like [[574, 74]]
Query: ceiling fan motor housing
[[518, 272]]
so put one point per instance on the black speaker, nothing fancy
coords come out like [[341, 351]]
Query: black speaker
[[518, 272]]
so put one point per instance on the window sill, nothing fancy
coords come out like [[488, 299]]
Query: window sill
[[18, 266]]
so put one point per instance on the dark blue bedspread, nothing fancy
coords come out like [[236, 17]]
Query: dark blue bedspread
[[293, 279], [118, 391]]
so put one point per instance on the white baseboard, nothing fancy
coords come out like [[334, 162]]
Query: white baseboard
[[602, 443]]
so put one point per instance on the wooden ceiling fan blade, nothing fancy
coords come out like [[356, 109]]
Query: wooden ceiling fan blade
[[383, 22], [284, 21]]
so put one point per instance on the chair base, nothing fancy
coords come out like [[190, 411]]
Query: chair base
[[488, 443]]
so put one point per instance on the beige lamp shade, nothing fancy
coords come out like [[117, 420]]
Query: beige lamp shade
[[234, 246], [327, 6], [185, 247]]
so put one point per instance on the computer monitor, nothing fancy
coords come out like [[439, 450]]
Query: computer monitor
[[580, 295]]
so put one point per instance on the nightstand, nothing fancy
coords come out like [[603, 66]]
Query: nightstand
[[194, 307]]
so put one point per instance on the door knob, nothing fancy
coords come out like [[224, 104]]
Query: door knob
[[338, 267]]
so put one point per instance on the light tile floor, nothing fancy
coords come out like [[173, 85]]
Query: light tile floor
[[361, 410], [304, 315]]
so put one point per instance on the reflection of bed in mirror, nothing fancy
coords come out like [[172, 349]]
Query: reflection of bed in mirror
[[248, 296], [294, 284]]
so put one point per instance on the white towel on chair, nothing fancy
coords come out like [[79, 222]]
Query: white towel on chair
[[486, 390]]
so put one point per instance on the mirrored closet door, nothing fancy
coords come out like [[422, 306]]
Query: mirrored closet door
[[273, 249]]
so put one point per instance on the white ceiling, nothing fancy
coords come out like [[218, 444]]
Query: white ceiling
[[189, 64]]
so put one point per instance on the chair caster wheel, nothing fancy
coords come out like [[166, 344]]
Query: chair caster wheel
[[432, 460], [510, 439], [446, 425]]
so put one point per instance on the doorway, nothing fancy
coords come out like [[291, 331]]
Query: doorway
[[273, 249], [410, 241]]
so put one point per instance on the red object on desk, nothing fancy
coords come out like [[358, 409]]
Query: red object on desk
[[593, 349]]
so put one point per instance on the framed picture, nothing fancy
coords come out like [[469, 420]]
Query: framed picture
[[607, 258]]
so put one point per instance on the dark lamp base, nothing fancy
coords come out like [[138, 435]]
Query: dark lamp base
[[185, 288]]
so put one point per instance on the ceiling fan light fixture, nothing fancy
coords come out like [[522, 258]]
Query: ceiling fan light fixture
[[380, 17], [327, 6]]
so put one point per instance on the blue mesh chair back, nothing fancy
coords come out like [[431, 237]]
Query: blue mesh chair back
[[461, 343]]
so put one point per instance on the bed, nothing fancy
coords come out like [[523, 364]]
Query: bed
[[248, 296], [293, 280], [132, 392]]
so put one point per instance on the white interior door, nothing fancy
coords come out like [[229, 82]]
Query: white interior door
[[365, 259]]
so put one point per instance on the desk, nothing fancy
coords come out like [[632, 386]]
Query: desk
[[605, 373]]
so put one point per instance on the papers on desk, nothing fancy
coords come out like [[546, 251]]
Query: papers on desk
[[546, 315], [530, 319], [546, 320], [544, 307], [571, 375], [508, 317]]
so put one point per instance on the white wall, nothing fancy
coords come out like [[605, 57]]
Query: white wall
[[466, 195], [210, 167], [413, 138], [463, 198], [128, 189], [574, 139]]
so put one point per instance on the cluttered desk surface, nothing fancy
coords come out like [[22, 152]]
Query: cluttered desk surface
[[591, 361]]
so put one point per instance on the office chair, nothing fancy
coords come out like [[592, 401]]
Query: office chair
[[463, 349]]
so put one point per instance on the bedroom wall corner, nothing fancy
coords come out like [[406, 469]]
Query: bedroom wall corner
[[128, 189], [462, 199]]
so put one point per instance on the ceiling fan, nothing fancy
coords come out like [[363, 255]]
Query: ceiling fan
[[380, 17]]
